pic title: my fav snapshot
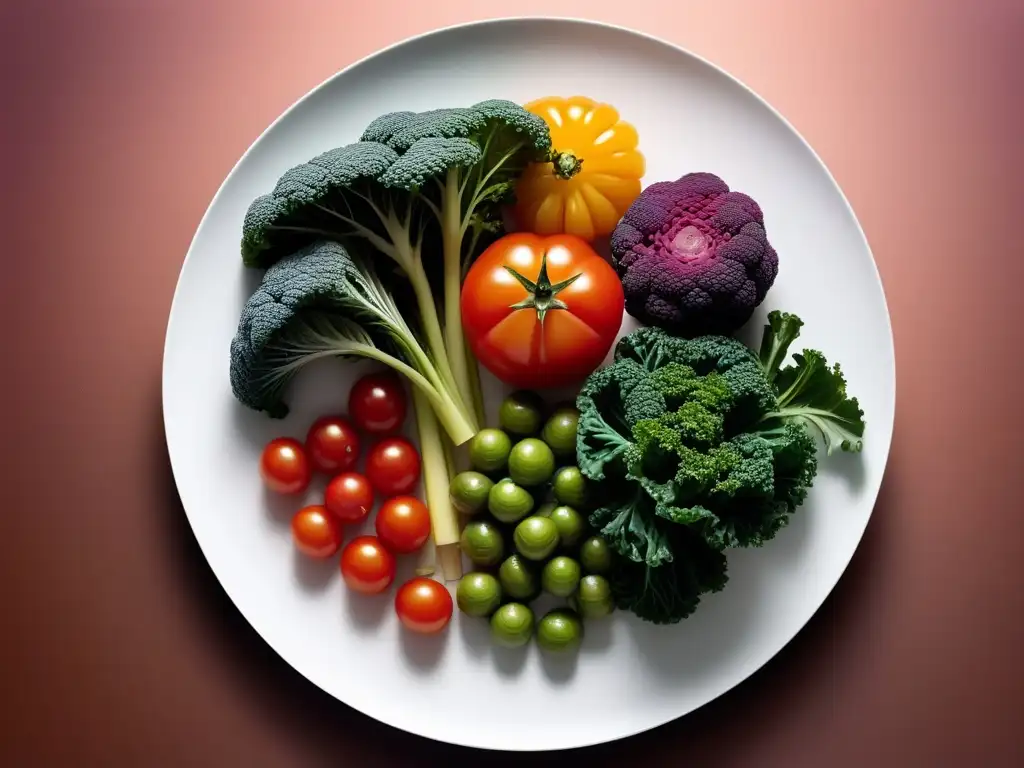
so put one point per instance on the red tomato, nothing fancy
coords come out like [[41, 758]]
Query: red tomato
[[423, 605], [284, 466], [541, 312], [393, 466], [367, 566], [349, 497], [377, 403], [403, 524], [332, 444], [316, 531]]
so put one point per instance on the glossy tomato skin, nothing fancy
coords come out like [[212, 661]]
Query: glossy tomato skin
[[403, 524], [366, 565], [377, 403], [349, 497], [316, 532], [423, 605], [332, 444], [514, 344], [393, 466], [284, 466]]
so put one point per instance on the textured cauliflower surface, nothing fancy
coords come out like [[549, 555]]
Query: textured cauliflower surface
[[693, 256]]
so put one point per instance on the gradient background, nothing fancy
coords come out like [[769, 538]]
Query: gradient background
[[120, 119]]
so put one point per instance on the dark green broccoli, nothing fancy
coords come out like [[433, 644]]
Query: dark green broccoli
[[423, 189], [322, 302], [706, 436]]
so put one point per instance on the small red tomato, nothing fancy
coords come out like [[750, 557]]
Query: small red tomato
[[284, 466], [393, 466], [332, 444], [367, 566], [316, 531], [423, 605], [349, 497], [403, 524], [377, 403]]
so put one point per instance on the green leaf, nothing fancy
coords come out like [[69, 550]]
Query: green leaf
[[670, 592], [815, 394], [780, 332], [631, 528]]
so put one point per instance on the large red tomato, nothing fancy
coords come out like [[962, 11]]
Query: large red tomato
[[541, 312]]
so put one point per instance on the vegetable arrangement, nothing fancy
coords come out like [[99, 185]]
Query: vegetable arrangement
[[528, 533], [629, 496]]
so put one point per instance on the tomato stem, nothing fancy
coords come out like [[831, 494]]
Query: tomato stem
[[566, 164], [542, 296]]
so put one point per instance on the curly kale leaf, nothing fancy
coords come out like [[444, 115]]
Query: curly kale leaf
[[669, 592], [810, 392], [631, 528]]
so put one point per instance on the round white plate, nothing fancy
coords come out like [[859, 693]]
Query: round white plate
[[629, 676]]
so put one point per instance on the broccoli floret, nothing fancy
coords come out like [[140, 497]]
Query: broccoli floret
[[415, 184], [611, 401], [740, 493], [752, 393], [299, 208], [321, 302], [429, 158], [693, 256]]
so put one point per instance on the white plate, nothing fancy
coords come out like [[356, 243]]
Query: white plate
[[629, 676]]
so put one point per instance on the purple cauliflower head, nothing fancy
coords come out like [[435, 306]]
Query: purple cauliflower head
[[693, 257]]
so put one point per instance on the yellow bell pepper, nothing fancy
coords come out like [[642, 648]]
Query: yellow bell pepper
[[593, 176]]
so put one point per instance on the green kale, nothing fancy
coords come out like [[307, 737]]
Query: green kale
[[703, 436]]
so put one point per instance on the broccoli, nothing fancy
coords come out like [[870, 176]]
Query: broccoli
[[423, 189], [705, 436], [693, 256], [322, 302]]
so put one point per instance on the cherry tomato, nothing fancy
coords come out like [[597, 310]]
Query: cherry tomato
[[393, 466], [541, 312], [316, 531], [423, 605], [332, 444], [284, 466], [377, 403], [366, 566], [403, 524], [349, 497]]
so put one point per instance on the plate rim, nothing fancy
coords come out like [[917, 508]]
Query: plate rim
[[500, 21]]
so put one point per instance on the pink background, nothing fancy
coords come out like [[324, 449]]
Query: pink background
[[120, 119]]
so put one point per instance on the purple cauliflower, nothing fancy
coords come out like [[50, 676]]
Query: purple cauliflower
[[693, 257]]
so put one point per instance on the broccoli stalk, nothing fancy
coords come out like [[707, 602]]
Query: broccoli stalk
[[469, 197], [319, 336], [321, 302], [452, 230], [443, 519], [406, 250], [400, 239]]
